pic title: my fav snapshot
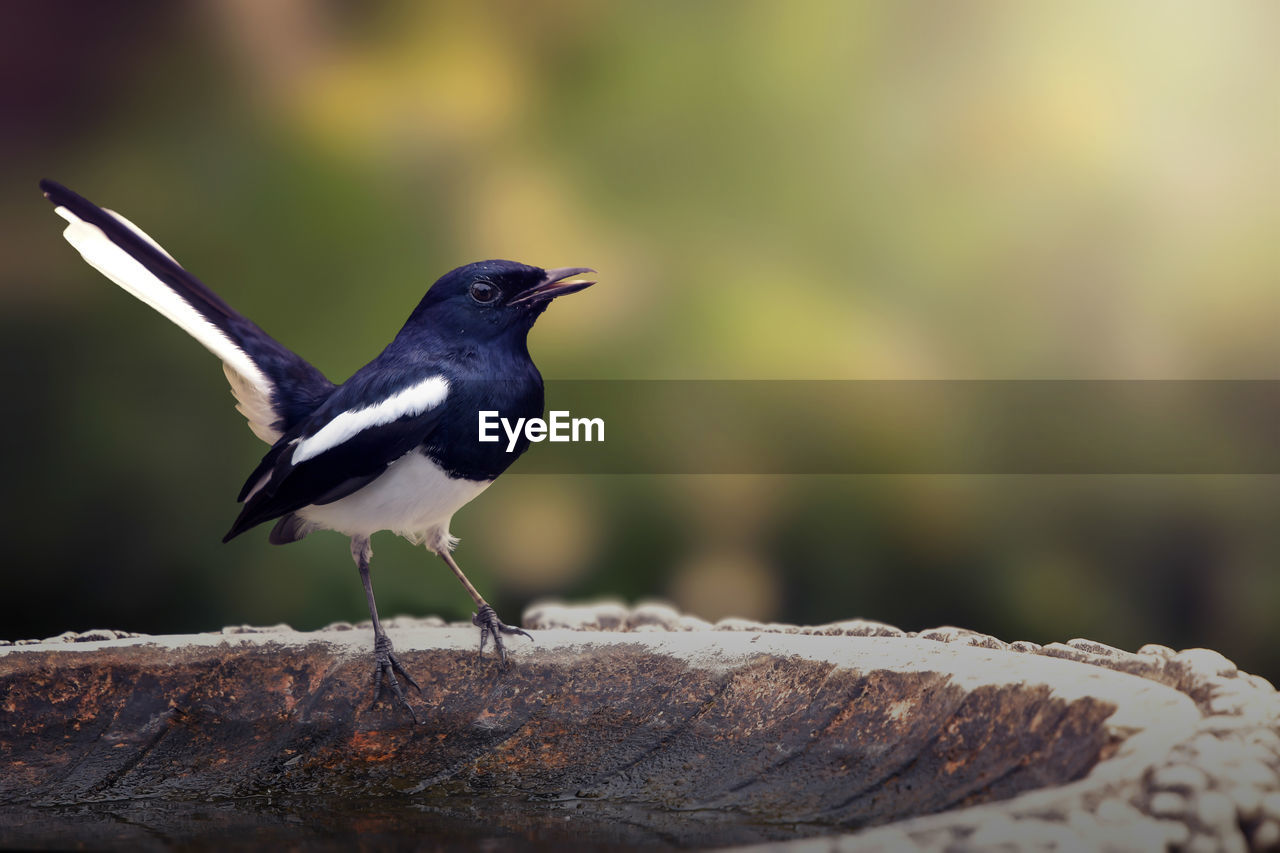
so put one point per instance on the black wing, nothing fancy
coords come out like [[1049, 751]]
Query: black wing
[[346, 444]]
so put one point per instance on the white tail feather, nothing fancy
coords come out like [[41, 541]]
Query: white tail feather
[[143, 234], [250, 386], [254, 402]]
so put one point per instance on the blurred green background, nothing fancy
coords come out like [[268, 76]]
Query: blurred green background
[[891, 190]]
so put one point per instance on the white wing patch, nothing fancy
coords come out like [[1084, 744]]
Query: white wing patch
[[411, 401], [250, 386]]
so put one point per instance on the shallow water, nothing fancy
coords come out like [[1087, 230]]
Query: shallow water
[[384, 823]]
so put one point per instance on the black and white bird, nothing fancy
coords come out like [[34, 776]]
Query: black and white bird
[[395, 447]]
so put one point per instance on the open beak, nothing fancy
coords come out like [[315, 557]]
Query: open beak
[[554, 285]]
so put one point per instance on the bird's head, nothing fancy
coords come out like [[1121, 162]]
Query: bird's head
[[490, 298]]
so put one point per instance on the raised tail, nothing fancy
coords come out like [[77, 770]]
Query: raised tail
[[274, 387]]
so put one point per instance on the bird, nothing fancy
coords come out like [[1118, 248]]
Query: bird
[[393, 448]]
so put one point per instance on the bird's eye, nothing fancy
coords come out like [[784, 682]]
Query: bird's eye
[[483, 292]]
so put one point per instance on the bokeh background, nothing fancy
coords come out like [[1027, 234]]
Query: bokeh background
[[881, 190]]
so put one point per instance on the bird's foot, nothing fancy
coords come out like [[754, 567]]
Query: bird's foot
[[491, 626], [386, 665]]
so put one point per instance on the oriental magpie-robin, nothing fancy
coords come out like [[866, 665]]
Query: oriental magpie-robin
[[396, 446]]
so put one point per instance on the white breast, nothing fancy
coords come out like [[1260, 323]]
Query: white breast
[[415, 499]]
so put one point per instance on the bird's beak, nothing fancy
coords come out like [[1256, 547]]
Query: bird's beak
[[554, 285]]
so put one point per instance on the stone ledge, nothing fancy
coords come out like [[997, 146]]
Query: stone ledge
[[930, 741]]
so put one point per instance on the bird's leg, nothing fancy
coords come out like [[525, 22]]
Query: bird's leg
[[484, 618], [385, 662]]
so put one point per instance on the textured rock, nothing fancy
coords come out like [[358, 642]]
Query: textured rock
[[647, 727]]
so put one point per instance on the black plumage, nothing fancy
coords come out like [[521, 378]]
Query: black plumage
[[395, 447]]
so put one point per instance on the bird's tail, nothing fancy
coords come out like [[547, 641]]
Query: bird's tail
[[274, 386]]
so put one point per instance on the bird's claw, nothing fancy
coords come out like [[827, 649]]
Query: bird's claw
[[386, 665], [491, 626]]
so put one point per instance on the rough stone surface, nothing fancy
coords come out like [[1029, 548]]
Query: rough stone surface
[[639, 726], [1217, 789]]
